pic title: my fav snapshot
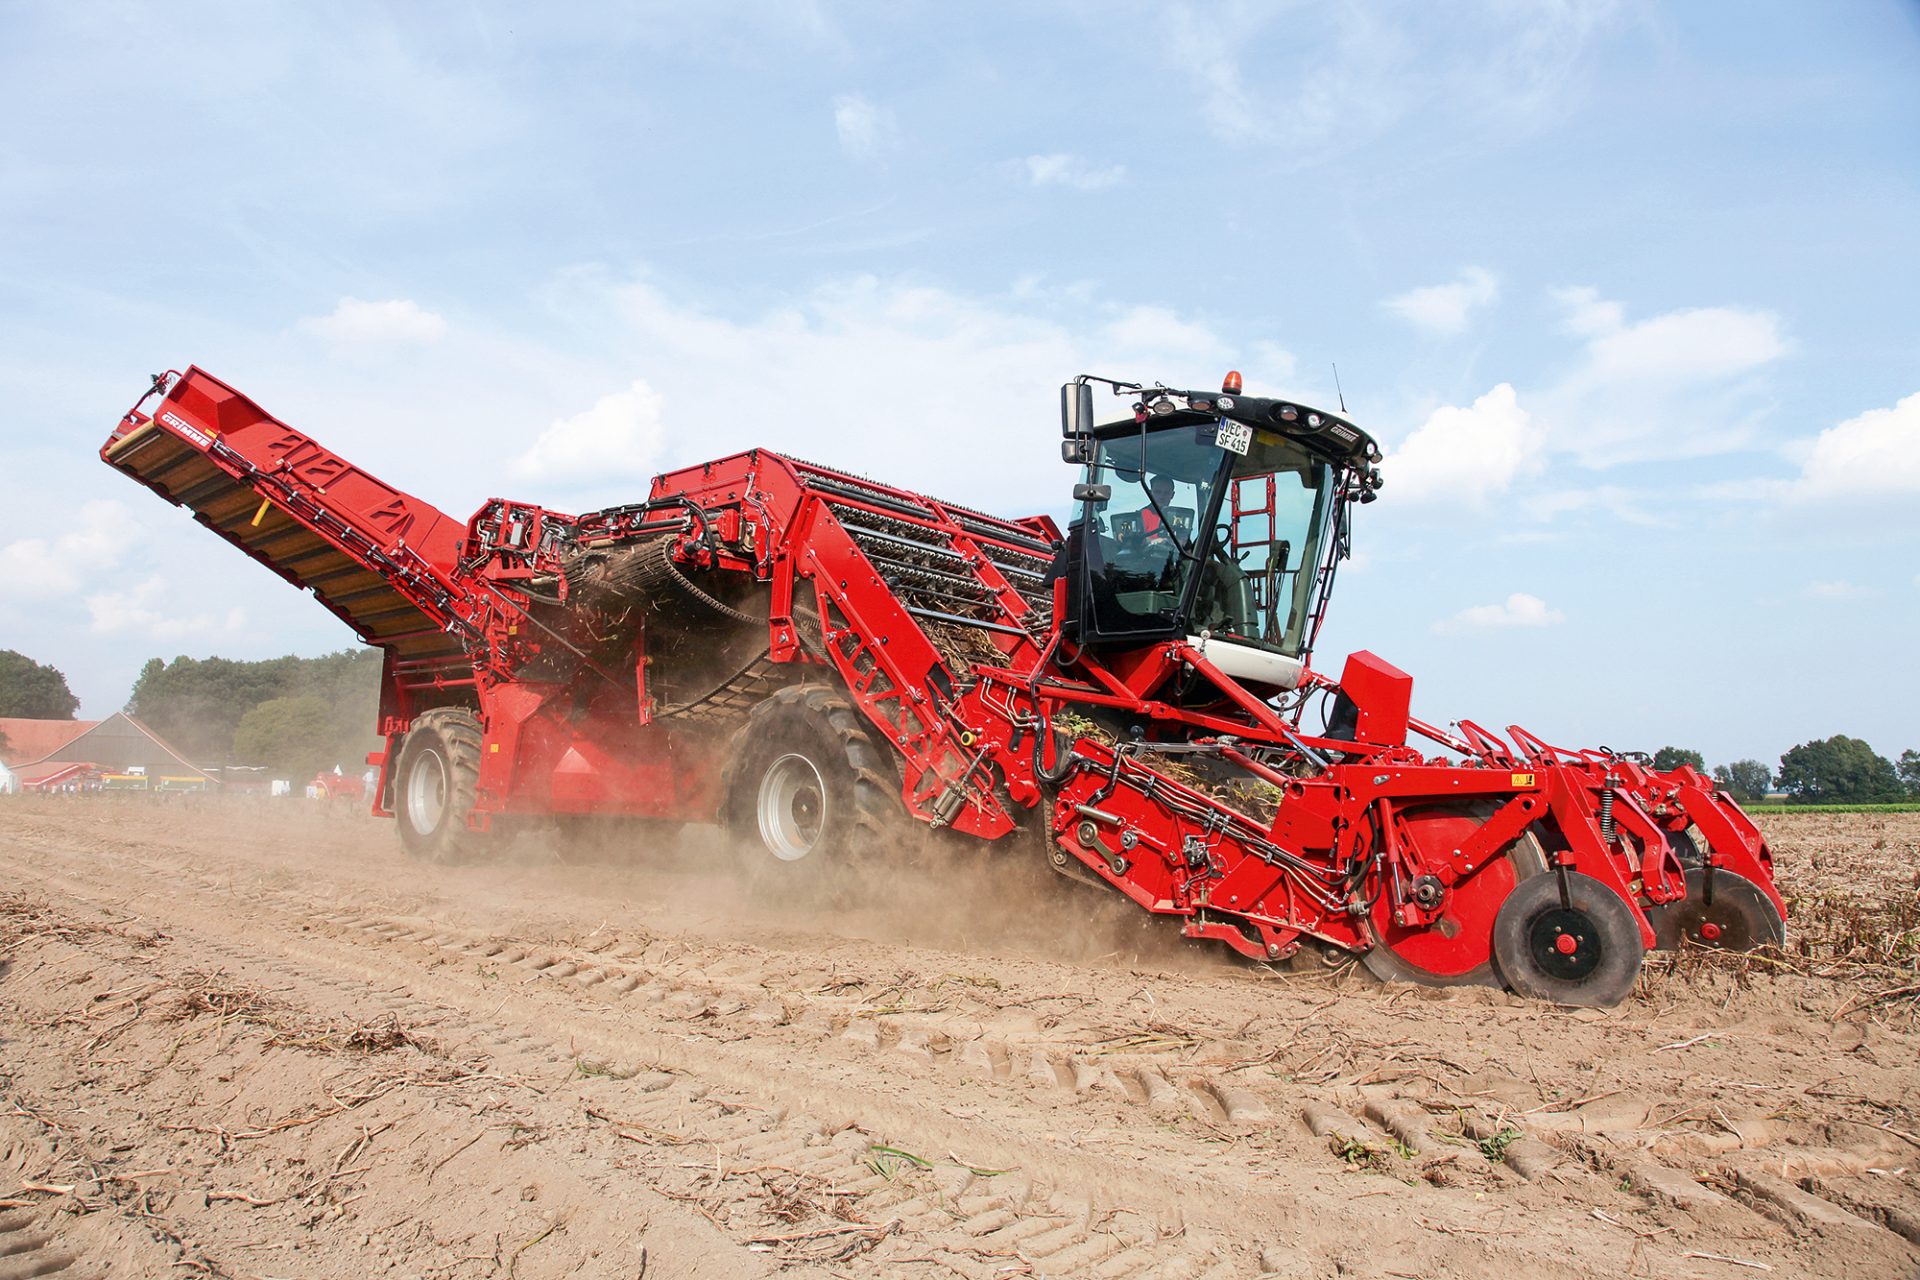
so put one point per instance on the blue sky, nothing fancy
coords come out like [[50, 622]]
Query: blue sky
[[1629, 292]]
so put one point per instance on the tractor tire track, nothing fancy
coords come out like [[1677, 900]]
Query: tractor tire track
[[1180, 1158]]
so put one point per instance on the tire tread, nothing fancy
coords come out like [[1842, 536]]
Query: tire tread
[[461, 735], [872, 785]]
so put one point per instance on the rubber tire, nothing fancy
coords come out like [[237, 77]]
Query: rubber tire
[[1746, 916], [1611, 980], [451, 736], [861, 809], [1529, 859]]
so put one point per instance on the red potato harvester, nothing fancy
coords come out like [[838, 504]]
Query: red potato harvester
[[814, 660]]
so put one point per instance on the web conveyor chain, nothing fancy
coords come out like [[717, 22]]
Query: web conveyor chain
[[864, 534], [973, 522], [734, 698]]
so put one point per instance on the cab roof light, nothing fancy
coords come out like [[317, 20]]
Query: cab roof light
[[1231, 383]]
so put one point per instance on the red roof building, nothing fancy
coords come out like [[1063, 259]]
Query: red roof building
[[36, 750], [25, 741]]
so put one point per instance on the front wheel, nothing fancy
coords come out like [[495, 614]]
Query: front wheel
[[807, 789], [435, 783], [1568, 938]]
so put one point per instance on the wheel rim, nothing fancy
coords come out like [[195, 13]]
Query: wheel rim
[[427, 791], [1565, 943], [792, 808]]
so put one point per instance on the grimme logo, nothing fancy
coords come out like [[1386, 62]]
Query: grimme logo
[[190, 432]]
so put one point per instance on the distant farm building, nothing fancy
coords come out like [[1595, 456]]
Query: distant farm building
[[118, 753]]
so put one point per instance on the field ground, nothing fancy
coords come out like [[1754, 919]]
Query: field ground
[[256, 1042], [1899, 806]]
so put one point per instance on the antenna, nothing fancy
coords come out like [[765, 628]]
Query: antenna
[[1336, 386]]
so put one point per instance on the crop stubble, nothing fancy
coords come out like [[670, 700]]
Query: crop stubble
[[255, 1043]]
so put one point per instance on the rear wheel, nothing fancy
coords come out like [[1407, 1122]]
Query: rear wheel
[[435, 783], [1455, 950], [1577, 944], [807, 790], [1726, 911]]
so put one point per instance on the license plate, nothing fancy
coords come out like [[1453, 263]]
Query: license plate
[[1235, 437]]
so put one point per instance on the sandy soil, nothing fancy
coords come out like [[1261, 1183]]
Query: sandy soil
[[256, 1042]]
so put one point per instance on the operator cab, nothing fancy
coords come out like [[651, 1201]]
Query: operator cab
[[1214, 518]]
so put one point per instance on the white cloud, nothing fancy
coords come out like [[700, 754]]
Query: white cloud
[[1587, 313], [1684, 383], [1520, 610], [948, 390], [919, 385], [392, 321], [1354, 90], [1268, 364], [1689, 344], [866, 131], [37, 568], [618, 437], [1621, 503], [1698, 344], [135, 610], [1147, 332], [1062, 170], [1446, 308], [1463, 456], [1372, 68], [1877, 453], [915, 384], [1837, 589], [1875, 456]]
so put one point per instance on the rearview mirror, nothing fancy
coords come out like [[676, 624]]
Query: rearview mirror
[[1077, 451], [1076, 408], [1092, 493]]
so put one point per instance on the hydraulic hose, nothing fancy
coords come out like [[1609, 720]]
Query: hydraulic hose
[[1063, 767]]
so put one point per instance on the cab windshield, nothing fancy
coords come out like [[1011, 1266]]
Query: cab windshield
[[1196, 537]]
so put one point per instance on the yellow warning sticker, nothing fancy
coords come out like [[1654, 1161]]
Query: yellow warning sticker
[[1522, 779]]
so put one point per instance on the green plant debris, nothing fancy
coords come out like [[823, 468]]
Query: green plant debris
[[1360, 1155], [888, 1161], [1494, 1146]]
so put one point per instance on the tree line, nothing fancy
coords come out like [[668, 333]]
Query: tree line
[[295, 716], [1836, 770]]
